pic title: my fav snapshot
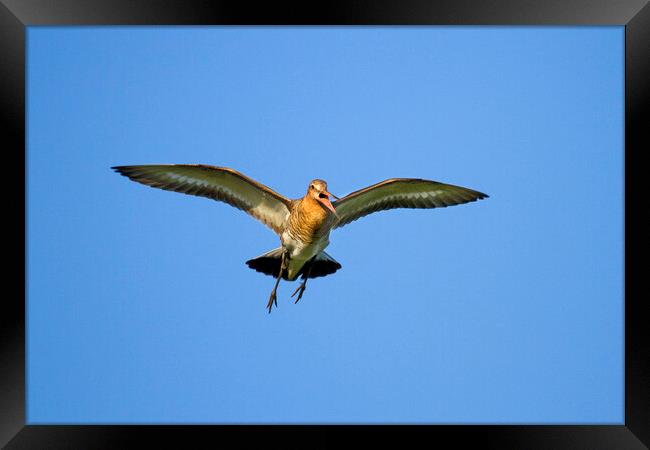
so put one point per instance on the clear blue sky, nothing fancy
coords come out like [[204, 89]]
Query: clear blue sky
[[509, 310]]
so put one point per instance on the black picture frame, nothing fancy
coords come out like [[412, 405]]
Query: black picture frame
[[16, 15]]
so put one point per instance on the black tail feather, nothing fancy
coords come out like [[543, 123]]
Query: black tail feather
[[269, 264], [320, 268]]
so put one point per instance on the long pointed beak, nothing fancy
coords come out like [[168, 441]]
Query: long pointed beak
[[326, 201], [331, 195]]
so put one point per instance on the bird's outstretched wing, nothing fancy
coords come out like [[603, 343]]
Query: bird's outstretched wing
[[218, 183], [401, 193]]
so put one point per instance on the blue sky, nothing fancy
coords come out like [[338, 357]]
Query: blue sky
[[509, 310]]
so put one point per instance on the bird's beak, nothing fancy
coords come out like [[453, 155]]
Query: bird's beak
[[326, 201]]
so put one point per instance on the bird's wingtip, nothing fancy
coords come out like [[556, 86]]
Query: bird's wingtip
[[122, 170], [125, 171]]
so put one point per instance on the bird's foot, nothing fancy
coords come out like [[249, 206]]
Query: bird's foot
[[300, 289], [272, 299]]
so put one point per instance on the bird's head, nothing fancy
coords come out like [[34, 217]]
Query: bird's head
[[318, 191]]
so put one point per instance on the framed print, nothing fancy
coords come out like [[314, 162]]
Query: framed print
[[509, 317]]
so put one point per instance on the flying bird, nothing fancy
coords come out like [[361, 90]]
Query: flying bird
[[303, 225]]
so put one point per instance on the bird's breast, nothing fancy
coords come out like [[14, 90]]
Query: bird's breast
[[308, 227], [308, 222]]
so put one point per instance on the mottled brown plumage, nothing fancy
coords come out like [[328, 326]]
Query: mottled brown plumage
[[308, 220]]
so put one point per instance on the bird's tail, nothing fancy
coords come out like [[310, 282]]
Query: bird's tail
[[269, 264]]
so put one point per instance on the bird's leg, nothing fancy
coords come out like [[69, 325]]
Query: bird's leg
[[274, 298], [305, 277]]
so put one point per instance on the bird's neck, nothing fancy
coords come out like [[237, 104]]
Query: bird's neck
[[313, 208]]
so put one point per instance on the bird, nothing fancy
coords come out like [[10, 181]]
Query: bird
[[304, 224]]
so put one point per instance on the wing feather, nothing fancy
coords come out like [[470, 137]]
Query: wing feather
[[217, 183], [401, 193]]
